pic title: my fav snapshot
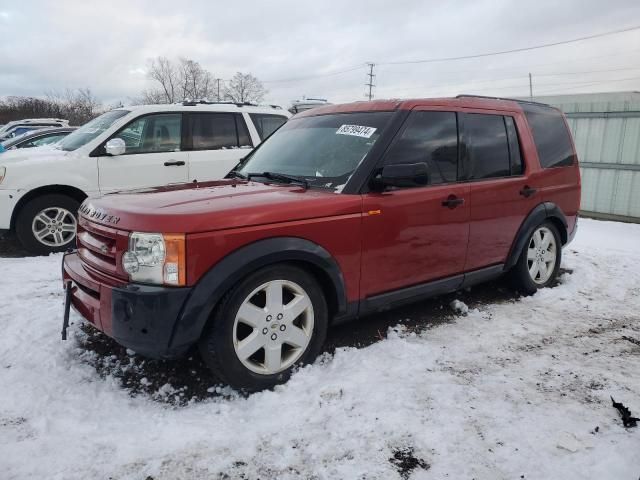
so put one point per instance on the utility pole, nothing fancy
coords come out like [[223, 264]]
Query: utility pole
[[530, 88], [218, 87], [370, 84]]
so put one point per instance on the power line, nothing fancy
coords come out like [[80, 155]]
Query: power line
[[319, 75], [515, 50]]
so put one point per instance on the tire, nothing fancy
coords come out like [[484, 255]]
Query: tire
[[59, 234], [537, 267], [228, 336]]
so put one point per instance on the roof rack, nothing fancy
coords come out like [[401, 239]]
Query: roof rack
[[192, 103], [530, 102]]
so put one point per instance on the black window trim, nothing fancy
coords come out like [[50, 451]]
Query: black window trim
[[523, 163]]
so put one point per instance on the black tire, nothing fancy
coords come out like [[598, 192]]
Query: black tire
[[520, 273], [33, 207], [217, 342]]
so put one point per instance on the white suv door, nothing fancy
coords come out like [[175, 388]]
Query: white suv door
[[153, 156], [217, 142]]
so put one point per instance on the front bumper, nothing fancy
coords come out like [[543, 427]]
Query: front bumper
[[140, 317]]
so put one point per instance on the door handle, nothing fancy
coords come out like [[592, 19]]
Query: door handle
[[452, 201], [175, 163], [527, 191]]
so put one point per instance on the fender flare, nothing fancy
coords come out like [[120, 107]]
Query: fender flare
[[542, 212], [213, 285]]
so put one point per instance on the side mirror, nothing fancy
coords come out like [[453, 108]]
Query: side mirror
[[404, 175], [115, 146]]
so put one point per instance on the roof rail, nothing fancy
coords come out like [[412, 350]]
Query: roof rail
[[192, 103], [530, 102]]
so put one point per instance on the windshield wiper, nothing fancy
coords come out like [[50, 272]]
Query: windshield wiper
[[282, 177], [236, 174]]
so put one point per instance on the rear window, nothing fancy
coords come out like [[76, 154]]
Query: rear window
[[218, 131], [551, 136], [266, 124]]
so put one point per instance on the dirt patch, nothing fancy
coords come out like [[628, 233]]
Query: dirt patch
[[406, 462]]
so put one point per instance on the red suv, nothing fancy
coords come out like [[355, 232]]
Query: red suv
[[345, 210]]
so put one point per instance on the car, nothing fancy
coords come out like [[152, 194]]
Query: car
[[19, 127], [37, 138], [344, 211], [127, 148]]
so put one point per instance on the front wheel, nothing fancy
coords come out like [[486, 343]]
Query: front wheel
[[48, 223], [270, 322], [539, 261]]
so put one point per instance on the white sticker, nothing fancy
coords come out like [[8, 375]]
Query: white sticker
[[356, 131]]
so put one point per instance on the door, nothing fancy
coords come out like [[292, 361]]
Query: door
[[416, 235], [217, 142], [153, 155], [502, 191]]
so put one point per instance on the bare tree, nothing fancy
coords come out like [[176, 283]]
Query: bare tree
[[244, 87], [177, 81]]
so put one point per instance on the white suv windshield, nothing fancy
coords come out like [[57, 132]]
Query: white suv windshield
[[323, 150], [91, 130]]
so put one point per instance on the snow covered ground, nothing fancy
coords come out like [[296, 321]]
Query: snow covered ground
[[514, 389]]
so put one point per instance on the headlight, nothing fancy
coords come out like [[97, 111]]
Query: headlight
[[155, 258], [3, 172]]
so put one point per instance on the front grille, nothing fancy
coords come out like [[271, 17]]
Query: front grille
[[100, 248]]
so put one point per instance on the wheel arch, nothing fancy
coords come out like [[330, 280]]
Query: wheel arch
[[214, 284], [542, 212], [68, 190]]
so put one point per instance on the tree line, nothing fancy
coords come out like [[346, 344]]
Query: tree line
[[172, 81]]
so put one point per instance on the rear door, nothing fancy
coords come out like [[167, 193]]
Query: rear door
[[412, 236], [153, 155], [502, 188], [216, 141]]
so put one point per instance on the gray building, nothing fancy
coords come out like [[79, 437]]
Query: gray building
[[606, 130]]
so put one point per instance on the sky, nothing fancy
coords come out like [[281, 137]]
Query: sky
[[320, 49]]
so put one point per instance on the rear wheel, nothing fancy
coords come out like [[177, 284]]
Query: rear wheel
[[48, 223], [539, 261], [270, 322]]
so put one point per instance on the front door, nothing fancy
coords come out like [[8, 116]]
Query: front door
[[153, 155], [412, 236]]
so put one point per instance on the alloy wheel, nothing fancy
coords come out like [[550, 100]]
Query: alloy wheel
[[541, 255], [273, 327], [54, 226]]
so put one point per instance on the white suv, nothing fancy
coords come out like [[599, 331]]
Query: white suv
[[133, 147]]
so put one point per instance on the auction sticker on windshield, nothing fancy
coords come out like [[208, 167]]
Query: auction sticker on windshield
[[356, 131]]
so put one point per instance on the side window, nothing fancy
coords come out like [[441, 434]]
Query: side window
[[267, 124], [46, 140], [216, 131], [153, 133], [486, 138], [551, 136], [514, 147], [431, 138]]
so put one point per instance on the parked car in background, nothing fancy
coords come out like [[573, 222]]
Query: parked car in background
[[19, 127], [298, 106], [345, 210], [127, 148], [37, 138]]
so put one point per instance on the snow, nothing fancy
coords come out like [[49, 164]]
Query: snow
[[514, 389]]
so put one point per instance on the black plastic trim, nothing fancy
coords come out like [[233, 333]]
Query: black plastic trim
[[482, 275], [235, 266]]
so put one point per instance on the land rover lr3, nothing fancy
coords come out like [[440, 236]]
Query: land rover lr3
[[345, 210]]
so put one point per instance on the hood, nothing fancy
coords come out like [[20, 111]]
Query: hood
[[35, 154], [192, 208]]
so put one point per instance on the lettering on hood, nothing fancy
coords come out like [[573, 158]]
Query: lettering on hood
[[98, 215]]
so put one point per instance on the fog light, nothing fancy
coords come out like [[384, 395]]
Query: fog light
[[130, 262]]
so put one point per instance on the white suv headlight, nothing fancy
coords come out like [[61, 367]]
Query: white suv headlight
[[155, 258], [3, 172]]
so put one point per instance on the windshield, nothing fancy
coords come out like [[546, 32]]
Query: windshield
[[324, 150], [90, 130]]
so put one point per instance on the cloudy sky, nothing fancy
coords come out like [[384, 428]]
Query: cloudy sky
[[321, 48]]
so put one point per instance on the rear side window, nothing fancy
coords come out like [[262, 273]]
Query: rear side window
[[551, 136], [514, 147], [266, 124], [486, 137], [216, 131], [431, 138]]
